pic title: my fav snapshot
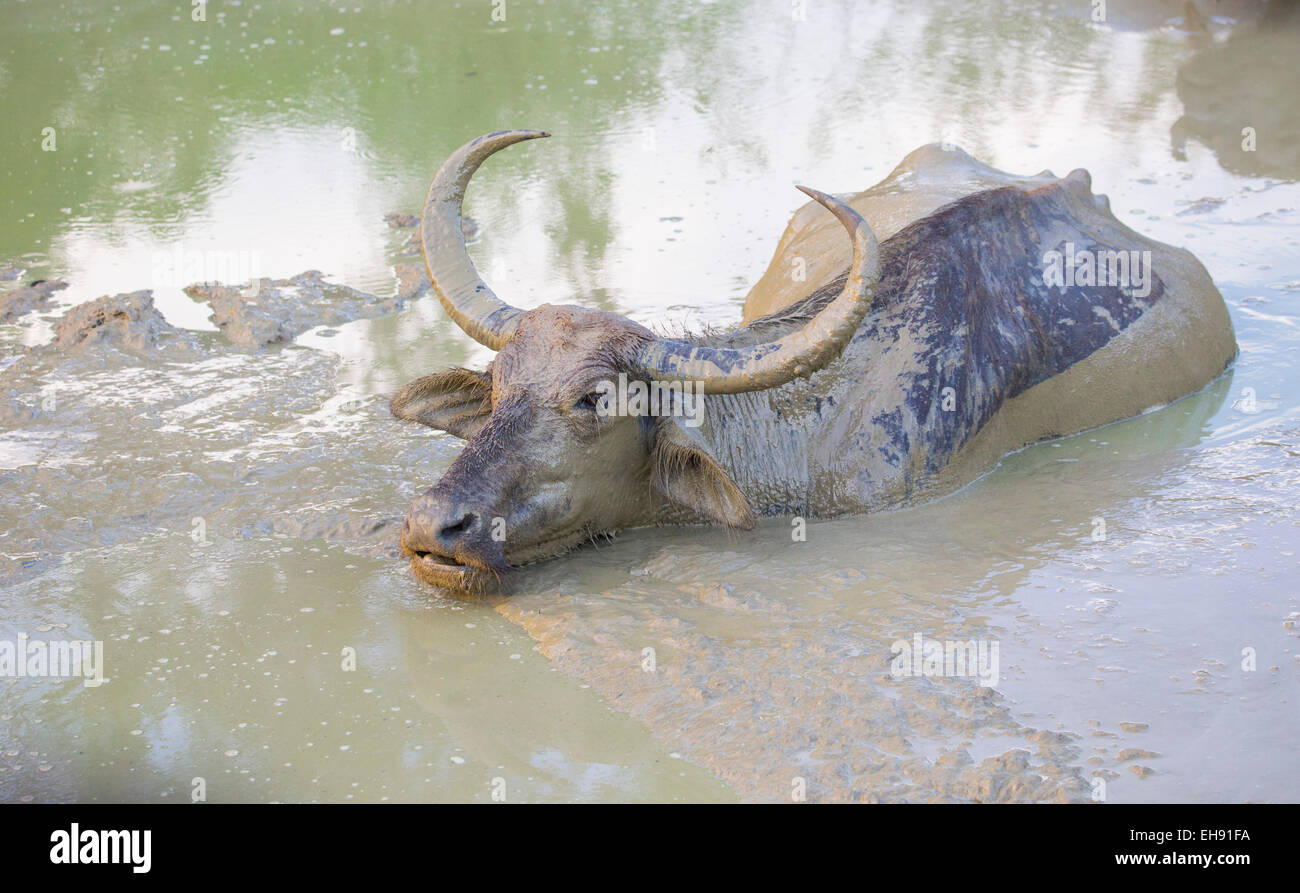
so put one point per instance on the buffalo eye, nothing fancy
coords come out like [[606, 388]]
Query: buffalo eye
[[589, 401]]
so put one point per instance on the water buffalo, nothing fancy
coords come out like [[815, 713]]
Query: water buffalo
[[996, 311]]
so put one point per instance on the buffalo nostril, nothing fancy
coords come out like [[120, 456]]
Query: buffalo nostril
[[452, 531]]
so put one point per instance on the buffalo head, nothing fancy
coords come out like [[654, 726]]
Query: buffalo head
[[551, 461]]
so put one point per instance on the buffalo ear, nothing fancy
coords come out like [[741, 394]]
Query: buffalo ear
[[457, 401], [683, 470]]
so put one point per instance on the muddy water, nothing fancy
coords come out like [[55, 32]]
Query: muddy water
[[223, 519]]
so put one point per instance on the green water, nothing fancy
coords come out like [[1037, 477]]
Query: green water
[[274, 137]]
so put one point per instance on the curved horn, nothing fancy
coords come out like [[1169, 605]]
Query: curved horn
[[773, 363], [463, 293]]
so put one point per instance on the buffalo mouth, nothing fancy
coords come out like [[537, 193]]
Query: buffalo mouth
[[450, 574], [447, 573]]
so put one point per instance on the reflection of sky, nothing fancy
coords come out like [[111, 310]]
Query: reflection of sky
[[289, 200], [845, 105], [666, 202]]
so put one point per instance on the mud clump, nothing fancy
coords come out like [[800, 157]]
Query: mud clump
[[412, 280], [1202, 206], [398, 220], [127, 321], [17, 301], [264, 312]]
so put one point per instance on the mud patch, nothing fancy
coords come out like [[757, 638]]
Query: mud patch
[[264, 312], [399, 220], [104, 447], [779, 689], [126, 321], [412, 280], [14, 302]]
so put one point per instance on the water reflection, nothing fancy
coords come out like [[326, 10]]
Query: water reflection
[[681, 128], [230, 663], [1232, 85]]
